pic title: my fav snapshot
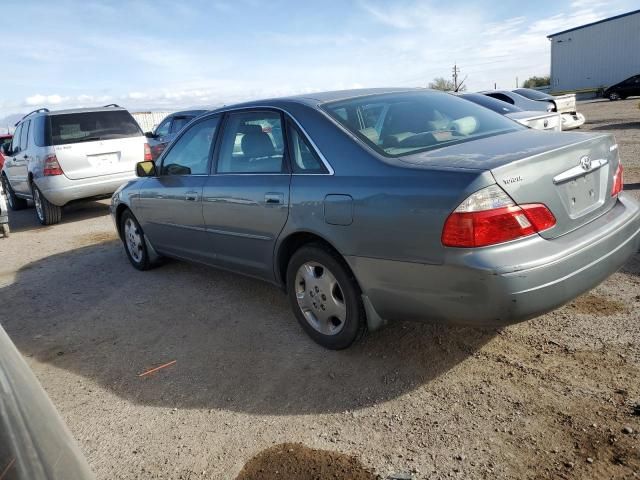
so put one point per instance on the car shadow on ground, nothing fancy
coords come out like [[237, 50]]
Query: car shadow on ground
[[236, 344], [25, 220], [618, 126]]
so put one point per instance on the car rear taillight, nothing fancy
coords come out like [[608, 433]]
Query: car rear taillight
[[489, 216], [147, 153], [618, 181], [51, 166]]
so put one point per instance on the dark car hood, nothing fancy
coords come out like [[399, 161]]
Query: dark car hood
[[491, 152]]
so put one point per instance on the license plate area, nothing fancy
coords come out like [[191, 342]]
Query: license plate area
[[585, 193], [104, 161]]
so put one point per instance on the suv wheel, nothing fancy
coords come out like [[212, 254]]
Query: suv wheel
[[134, 243], [325, 297], [47, 212], [14, 202]]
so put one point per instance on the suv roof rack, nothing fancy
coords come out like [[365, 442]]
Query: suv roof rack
[[112, 105], [31, 113]]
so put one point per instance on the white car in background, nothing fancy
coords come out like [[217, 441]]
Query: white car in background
[[68, 155], [533, 119], [565, 105]]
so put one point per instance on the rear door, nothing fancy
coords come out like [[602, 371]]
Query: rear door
[[95, 144], [170, 205], [246, 199]]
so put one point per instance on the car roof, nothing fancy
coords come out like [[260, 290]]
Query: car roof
[[314, 99], [87, 109], [188, 112]]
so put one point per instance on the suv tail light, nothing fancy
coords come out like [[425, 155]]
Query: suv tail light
[[489, 216], [618, 181], [51, 166], [147, 153]]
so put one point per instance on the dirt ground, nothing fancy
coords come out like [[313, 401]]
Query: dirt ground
[[547, 399]]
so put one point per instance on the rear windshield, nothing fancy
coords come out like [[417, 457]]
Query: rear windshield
[[532, 94], [497, 106], [91, 126], [400, 124]]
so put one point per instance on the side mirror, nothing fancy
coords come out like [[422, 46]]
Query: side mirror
[[149, 135], [6, 149], [146, 169]]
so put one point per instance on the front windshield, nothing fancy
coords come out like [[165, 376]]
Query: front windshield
[[532, 94], [399, 124]]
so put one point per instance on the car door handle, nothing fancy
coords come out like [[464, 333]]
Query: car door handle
[[191, 196], [274, 198]]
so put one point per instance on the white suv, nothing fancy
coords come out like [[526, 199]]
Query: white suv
[[58, 157]]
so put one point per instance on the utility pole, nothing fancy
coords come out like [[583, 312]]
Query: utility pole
[[456, 71]]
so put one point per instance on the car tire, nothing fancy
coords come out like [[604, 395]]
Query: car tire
[[133, 241], [46, 212], [5, 230], [325, 297], [613, 96], [14, 202]]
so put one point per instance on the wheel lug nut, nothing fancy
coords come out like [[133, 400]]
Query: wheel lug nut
[[317, 289], [324, 297]]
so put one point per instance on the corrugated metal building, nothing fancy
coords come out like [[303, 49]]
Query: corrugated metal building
[[596, 55]]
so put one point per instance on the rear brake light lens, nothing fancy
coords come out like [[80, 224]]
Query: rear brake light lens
[[618, 181], [147, 153], [51, 166], [489, 217]]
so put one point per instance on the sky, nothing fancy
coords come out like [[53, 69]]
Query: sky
[[170, 54]]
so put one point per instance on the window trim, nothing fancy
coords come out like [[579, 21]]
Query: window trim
[[292, 162], [286, 166], [172, 144], [297, 124]]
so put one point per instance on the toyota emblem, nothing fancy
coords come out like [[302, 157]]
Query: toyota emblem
[[585, 162]]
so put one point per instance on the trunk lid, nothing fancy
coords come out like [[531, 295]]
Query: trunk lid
[[533, 166], [565, 103], [101, 157], [573, 181], [538, 120]]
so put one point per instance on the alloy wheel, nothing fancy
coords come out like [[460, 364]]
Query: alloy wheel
[[37, 200]]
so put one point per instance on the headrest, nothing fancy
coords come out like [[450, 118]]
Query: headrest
[[257, 144], [249, 128]]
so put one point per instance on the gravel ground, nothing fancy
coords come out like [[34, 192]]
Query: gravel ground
[[549, 398]]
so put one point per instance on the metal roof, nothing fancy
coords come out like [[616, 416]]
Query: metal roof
[[594, 23]]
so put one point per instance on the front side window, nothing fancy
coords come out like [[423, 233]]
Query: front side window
[[91, 126], [252, 143], [303, 158], [189, 155], [15, 141], [415, 121]]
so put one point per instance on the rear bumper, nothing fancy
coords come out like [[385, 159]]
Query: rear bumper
[[504, 284], [61, 190]]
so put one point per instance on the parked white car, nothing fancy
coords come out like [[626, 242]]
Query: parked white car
[[68, 155], [533, 119]]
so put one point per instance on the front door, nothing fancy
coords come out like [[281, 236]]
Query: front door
[[169, 206], [246, 199]]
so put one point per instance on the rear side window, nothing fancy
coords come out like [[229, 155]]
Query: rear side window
[[303, 158], [252, 143], [39, 131], [24, 135], [179, 123], [91, 126]]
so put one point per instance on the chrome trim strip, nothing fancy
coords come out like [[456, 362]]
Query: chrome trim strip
[[237, 234], [186, 227], [578, 171], [295, 120]]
